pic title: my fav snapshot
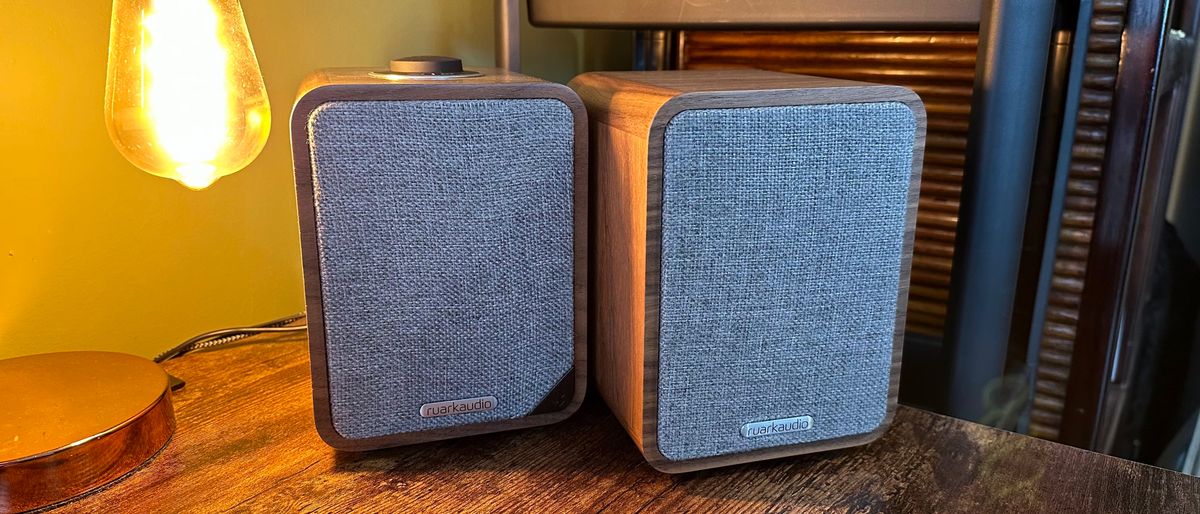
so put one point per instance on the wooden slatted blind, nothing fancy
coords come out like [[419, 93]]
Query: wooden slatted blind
[[939, 66], [1058, 338]]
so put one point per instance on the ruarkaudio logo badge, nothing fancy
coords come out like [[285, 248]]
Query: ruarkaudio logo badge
[[464, 406], [777, 426]]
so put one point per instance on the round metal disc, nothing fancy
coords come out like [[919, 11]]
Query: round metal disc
[[426, 64], [426, 67], [73, 421]]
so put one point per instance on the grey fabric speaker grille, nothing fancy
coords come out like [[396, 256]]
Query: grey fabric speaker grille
[[446, 255], [781, 251]]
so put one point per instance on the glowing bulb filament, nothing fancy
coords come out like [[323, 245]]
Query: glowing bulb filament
[[186, 96]]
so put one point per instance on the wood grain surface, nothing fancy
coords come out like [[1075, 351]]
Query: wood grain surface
[[246, 442], [361, 84], [628, 115]]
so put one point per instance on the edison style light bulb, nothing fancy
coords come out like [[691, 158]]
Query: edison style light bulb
[[184, 98]]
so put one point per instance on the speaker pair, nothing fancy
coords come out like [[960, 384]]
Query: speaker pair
[[748, 235]]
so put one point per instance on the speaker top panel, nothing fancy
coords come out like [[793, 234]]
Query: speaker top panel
[[381, 84], [648, 100]]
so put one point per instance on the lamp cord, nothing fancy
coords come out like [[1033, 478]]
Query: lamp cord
[[229, 335]]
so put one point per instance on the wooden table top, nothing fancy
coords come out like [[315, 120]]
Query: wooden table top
[[246, 442]]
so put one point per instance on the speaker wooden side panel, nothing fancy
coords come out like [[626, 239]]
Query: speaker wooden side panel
[[357, 84], [619, 119]]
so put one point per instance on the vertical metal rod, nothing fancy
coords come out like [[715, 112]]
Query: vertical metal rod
[[678, 61], [508, 34], [650, 50], [1009, 79]]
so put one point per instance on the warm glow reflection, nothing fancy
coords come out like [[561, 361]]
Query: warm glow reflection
[[183, 63]]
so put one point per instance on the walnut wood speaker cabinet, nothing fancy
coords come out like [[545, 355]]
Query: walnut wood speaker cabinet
[[443, 219], [753, 235]]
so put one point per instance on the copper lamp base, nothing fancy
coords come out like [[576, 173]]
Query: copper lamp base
[[71, 422]]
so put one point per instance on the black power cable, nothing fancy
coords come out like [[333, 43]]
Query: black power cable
[[229, 335]]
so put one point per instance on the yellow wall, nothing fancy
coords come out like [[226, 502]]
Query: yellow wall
[[95, 254]]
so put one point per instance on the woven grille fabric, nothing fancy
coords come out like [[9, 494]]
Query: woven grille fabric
[[781, 253], [445, 233]]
